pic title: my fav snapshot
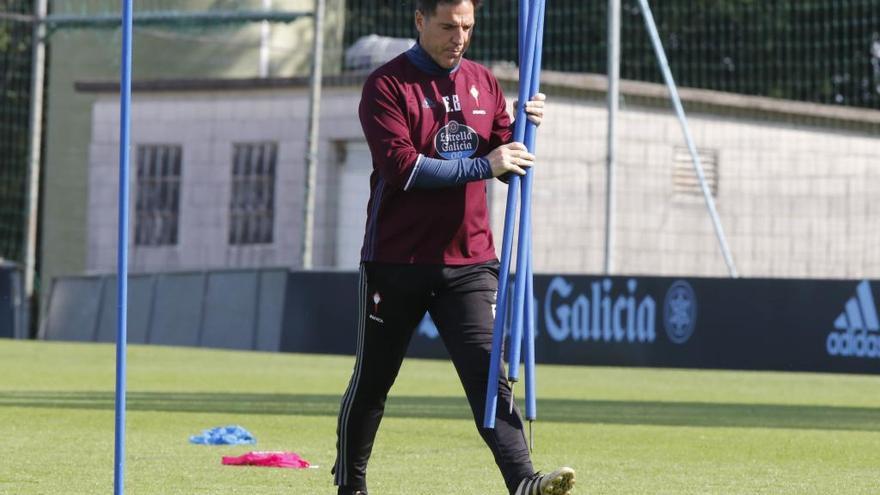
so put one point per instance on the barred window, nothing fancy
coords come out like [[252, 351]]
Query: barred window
[[252, 205], [158, 194]]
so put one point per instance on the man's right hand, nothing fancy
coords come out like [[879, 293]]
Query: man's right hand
[[511, 157]]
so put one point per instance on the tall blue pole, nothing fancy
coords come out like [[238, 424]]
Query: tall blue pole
[[528, 25], [501, 299], [500, 307], [122, 247], [526, 135], [529, 307]]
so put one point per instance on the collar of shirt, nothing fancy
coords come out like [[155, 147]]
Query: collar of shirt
[[420, 58]]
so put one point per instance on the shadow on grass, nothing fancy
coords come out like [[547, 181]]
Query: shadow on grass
[[550, 410]]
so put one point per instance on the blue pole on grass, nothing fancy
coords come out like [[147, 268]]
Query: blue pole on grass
[[122, 247], [527, 20], [529, 306], [529, 336], [527, 89], [501, 298]]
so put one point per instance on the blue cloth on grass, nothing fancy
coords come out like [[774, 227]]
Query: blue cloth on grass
[[224, 435]]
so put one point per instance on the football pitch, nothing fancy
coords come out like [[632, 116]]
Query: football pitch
[[626, 431]]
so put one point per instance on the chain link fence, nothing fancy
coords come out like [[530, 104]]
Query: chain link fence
[[15, 88], [820, 51], [786, 126]]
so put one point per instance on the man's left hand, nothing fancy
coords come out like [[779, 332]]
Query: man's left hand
[[534, 108]]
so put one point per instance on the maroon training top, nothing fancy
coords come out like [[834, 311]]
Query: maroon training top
[[406, 112]]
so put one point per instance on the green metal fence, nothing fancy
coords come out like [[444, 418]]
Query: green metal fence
[[823, 51], [15, 82]]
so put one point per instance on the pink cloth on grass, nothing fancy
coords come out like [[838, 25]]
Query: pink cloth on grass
[[268, 459]]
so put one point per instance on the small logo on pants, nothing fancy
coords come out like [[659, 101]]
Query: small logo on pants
[[376, 300]]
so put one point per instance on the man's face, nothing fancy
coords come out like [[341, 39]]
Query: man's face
[[446, 33]]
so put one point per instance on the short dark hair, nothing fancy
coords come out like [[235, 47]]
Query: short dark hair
[[429, 7]]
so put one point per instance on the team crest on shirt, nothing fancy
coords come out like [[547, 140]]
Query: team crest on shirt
[[476, 95], [454, 141]]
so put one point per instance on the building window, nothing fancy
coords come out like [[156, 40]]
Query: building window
[[158, 194], [252, 205], [685, 184]]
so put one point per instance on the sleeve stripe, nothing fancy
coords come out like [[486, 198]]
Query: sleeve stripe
[[414, 172]]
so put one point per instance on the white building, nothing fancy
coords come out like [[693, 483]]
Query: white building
[[218, 180]]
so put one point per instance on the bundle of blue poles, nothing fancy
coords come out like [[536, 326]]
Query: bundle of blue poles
[[519, 309]]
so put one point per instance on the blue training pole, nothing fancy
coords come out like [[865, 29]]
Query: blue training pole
[[519, 285], [529, 336], [122, 248], [526, 220], [527, 20], [501, 299]]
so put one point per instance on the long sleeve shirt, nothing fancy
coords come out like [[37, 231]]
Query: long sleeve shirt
[[408, 114]]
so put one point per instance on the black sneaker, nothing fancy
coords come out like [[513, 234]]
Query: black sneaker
[[558, 482]]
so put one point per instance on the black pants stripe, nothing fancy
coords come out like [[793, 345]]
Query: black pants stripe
[[393, 300]]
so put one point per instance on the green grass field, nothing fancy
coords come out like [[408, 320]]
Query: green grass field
[[626, 431]]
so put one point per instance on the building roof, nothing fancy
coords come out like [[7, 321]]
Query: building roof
[[593, 86]]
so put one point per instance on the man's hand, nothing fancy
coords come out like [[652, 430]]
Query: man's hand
[[534, 108], [511, 157]]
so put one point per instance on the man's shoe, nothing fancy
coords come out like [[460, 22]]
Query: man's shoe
[[558, 482]]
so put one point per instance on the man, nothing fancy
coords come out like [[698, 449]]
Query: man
[[437, 127]]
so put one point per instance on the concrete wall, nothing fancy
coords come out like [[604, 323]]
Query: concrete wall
[[796, 197], [159, 53], [206, 125]]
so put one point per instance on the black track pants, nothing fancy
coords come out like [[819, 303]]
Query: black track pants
[[393, 299]]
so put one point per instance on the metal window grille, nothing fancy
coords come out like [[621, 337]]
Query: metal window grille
[[685, 184], [252, 205], [158, 194]]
